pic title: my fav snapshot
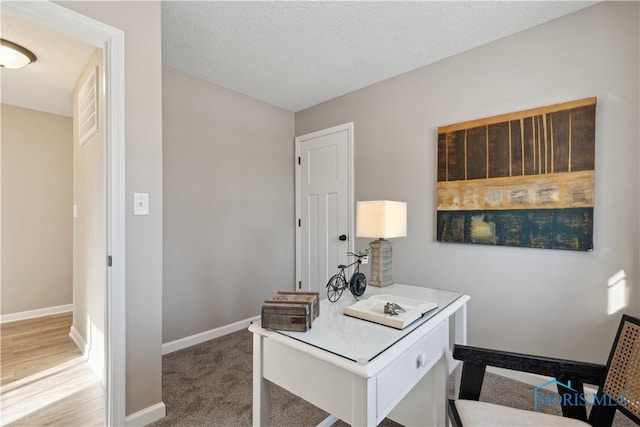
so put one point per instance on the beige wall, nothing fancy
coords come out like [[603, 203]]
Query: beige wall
[[37, 185], [143, 173], [532, 300], [228, 204], [90, 227]]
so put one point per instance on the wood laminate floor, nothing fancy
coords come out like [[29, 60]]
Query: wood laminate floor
[[45, 379]]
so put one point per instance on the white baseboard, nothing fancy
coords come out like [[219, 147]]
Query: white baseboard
[[23, 315], [77, 338], [92, 359], [534, 380], [97, 367], [146, 416], [185, 342]]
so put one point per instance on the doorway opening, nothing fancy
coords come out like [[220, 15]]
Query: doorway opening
[[111, 41]]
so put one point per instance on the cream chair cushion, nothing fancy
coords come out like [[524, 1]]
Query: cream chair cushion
[[482, 414]]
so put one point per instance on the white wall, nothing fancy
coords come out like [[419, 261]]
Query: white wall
[[532, 300], [90, 227], [228, 204], [143, 173], [37, 185]]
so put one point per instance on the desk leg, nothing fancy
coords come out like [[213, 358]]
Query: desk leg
[[460, 319], [425, 404], [260, 385], [460, 337], [363, 404]]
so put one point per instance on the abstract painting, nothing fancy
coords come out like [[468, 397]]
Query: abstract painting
[[519, 179]]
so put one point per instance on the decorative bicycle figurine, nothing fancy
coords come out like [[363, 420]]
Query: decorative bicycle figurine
[[338, 282]]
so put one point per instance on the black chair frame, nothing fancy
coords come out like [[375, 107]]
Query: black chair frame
[[475, 360]]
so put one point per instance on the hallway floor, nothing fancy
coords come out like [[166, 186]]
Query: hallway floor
[[45, 378]]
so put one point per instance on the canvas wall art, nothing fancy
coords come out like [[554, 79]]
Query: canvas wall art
[[519, 179]]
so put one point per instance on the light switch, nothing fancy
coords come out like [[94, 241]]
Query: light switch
[[141, 203]]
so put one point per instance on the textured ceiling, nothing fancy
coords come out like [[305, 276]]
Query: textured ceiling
[[47, 84], [290, 54], [297, 54]]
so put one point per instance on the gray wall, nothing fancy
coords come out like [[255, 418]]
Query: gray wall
[[555, 301], [532, 300], [143, 173], [228, 204], [37, 185], [90, 227]]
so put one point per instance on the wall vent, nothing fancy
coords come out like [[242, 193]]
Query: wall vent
[[88, 107]]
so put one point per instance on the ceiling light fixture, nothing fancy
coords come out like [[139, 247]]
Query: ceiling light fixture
[[12, 55]]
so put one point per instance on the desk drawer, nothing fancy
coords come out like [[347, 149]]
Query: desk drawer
[[396, 380]]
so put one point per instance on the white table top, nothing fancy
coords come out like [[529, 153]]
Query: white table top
[[359, 340]]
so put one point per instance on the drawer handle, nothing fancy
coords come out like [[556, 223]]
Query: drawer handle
[[422, 361]]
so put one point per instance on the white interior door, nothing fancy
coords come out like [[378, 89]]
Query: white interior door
[[324, 205]]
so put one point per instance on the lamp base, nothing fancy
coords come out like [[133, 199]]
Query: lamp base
[[381, 266]]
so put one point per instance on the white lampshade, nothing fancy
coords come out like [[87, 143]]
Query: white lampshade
[[381, 219]]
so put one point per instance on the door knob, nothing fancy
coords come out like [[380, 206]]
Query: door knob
[[342, 237]]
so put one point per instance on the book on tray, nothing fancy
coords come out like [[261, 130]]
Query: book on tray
[[373, 310]]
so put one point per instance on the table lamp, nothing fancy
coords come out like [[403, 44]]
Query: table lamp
[[383, 219]]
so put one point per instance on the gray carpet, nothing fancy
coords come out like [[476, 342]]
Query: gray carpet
[[210, 384]]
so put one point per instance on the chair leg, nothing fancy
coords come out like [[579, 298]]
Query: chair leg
[[454, 416], [471, 381], [572, 407], [602, 416]]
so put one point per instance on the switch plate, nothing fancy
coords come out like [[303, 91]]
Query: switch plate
[[141, 203]]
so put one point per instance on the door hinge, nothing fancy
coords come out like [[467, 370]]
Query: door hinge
[[299, 223], [109, 261], [299, 284], [299, 160]]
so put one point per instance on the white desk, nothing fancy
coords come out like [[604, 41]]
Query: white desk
[[362, 372]]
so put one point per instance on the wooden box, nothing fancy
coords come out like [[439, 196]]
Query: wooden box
[[311, 298], [286, 317], [291, 311]]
